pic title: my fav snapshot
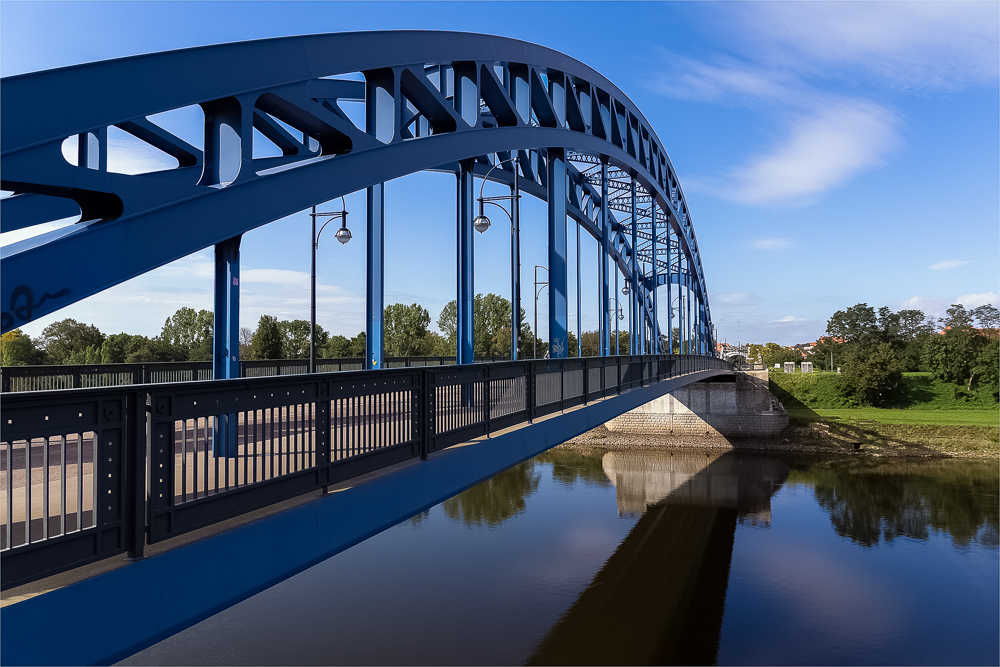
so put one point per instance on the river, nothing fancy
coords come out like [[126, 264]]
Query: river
[[650, 557]]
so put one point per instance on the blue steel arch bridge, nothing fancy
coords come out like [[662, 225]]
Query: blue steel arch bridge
[[347, 112]]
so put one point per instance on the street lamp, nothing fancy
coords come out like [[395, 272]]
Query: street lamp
[[343, 235], [481, 223], [538, 290]]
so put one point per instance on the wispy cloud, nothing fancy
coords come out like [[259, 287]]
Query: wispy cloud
[[948, 264], [790, 318], [740, 298], [943, 45], [782, 58], [772, 244], [822, 150]]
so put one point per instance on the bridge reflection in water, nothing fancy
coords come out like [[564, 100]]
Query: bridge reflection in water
[[659, 599]]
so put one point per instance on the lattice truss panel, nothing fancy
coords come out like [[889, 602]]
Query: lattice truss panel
[[289, 123]]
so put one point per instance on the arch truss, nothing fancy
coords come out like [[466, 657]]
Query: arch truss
[[289, 123]]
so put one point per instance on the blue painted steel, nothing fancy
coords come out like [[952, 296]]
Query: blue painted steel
[[226, 336], [635, 346], [464, 281], [558, 347], [375, 283], [656, 313], [670, 303], [579, 298], [515, 267], [269, 85], [602, 253]]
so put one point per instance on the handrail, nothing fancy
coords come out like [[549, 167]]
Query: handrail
[[96, 472]]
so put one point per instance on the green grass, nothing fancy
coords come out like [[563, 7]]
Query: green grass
[[919, 392], [940, 417]]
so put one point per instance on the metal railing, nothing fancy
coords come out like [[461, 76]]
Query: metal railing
[[47, 378], [92, 473]]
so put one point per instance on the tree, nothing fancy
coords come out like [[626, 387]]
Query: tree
[[958, 318], [267, 340], [295, 338], [491, 327], [619, 342], [65, 338], [772, 353], [191, 331], [405, 329], [447, 322], [853, 325], [871, 377], [17, 349], [123, 348], [591, 341], [987, 368], [988, 317], [119, 347], [246, 340]]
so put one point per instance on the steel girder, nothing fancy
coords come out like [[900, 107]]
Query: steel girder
[[431, 99]]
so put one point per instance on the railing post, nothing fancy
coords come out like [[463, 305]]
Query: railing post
[[424, 413], [4, 381], [486, 397], [321, 431], [586, 382], [532, 376], [136, 443]]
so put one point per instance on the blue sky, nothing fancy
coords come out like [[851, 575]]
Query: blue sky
[[831, 154]]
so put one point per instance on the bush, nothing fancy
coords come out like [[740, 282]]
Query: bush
[[872, 376]]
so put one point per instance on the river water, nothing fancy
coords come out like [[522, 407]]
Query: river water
[[651, 557]]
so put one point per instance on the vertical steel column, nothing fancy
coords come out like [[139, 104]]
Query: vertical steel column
[[688, 301], [602, 252], [226, 335], [617, 311], [655, 348], [680, 300], [557, 253], [515, 267], [466, 293], [375, 282], [579, 298], [670, 303], [635, 346]]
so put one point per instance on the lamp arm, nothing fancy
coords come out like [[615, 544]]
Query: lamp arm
[[487, 201], [487, 176]]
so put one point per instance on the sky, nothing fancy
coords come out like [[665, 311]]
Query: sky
[[831, 154]]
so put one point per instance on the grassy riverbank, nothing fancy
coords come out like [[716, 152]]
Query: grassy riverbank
[[929, 418]]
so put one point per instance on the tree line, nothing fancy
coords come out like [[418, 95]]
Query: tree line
[[874, 348], [187, 336]]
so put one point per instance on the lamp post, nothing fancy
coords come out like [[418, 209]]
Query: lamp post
[[538, 290], [343, 235], [482, 223]]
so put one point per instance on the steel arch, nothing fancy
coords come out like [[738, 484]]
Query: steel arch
[[431, 99]]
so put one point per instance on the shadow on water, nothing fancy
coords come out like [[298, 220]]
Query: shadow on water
[[660, 597]]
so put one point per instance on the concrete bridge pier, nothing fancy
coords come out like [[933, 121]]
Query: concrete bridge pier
[[733, 406]]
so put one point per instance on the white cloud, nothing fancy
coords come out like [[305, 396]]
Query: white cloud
[[976, 300], [723, 79], [942, 45], [821, 151], [772, 244], [948, 264], [789, 318], [739, 298]]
